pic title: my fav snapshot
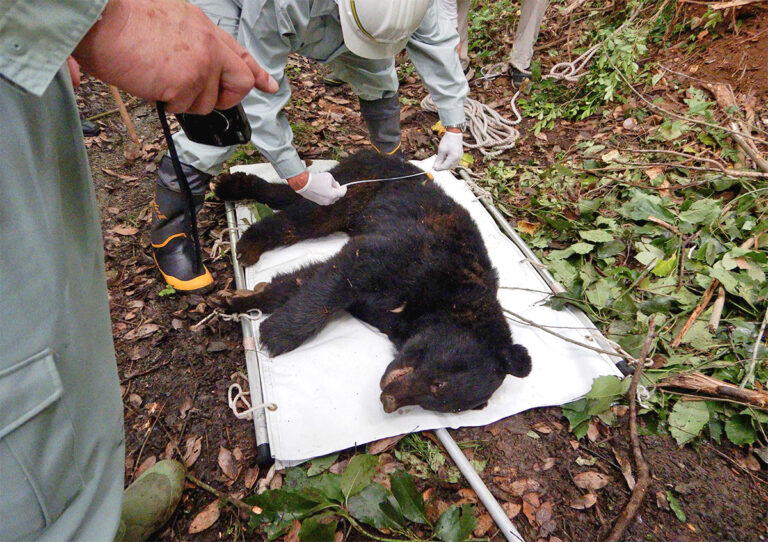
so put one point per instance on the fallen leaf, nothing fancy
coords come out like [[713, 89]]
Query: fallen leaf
[[122, 229], [544, 519], [511, 509], [527, 227], [238, 453], [277, 482], [185, 406], [338, 537], [250, 477], [383, 445], [170, 449], [593, 433], [530, 506], [192, 449], [144, 330], [518, 488], [205, 518], [629, 123], [591, 480], [542, 427], [227, 464], [584, 502], [135, 400], [574, 444], [338, 467], [541, 136], [468, 494], [653, 172], [548, 463], [147, 463], [626, 469], [217, 346], [177, 324], [293, 534], [435, 509], [484, 522]]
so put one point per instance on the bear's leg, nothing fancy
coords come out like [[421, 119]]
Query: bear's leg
[[304, 220], [239, 186], [268, 297]]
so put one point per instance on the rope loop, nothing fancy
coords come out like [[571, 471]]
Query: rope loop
[[240, 395]]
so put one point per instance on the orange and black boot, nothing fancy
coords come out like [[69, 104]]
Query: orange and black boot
[[172, 245], [382, 117]]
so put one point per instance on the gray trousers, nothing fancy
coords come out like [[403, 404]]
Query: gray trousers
[[61, 418], [532, 13]]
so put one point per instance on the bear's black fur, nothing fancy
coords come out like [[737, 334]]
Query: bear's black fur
[[415, 267]]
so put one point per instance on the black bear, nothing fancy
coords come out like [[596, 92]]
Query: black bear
[[415, 267]]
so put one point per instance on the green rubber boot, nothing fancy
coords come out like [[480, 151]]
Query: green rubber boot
[[149, 502]]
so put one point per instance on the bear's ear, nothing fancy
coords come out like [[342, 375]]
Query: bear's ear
[[516, 360]]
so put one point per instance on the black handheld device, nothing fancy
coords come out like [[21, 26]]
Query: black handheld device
[[220, 128]]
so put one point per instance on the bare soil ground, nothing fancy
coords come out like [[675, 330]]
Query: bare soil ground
[[175, 375]]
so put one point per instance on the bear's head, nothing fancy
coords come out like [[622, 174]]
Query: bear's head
[[447, 368]]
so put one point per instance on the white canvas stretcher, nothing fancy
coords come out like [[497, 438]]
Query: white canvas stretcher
[[327, 390]]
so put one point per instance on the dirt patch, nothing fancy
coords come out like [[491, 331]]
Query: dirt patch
[[733, 52]]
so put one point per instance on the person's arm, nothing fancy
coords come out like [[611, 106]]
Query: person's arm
[[268, 40], [141, 46], [432, 49]]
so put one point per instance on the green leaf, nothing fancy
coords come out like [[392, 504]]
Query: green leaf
[[282, 505], [674, 505], [596, 236], [313, 530], [455, 524], [687, 419], [699, 336], [408, 497], [608, 386], [366, 506], [703, 211], [643, 205], [358, 474], [665, 267], [321, 464], [581, 248], [739, 430]]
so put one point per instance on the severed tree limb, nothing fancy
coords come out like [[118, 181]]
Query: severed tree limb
[[715, 388], [643, 471], [750, 376]]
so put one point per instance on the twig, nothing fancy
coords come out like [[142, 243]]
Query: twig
[[696, 313], [131, 376], [617, 353], [643, 472], [753, 153], [98, 116], [237, 503], [663, 224], [146, 438], [750, 376], [124, 114]]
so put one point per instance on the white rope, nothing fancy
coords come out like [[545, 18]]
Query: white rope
[[240, 395], [493, 133], [229, 317]]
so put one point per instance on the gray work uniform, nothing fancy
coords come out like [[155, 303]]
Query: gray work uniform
[[61, 421], [531, 15], [271, 29]]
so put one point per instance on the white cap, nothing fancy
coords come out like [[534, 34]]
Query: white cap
[[380, 28]]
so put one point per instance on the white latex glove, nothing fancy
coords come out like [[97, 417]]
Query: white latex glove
[[322, 188], [450, 151]]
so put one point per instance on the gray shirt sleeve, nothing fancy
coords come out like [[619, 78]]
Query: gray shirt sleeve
[[37, 36], [432, 49]]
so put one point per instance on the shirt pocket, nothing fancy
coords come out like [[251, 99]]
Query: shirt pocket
[[39, 476]]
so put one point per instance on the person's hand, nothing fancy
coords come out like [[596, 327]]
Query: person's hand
[[74, 71], [172, 52], [321, 188], [450, 150]]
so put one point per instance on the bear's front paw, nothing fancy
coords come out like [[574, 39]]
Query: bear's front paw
[[230, 186], [248, 251], [278, 338]]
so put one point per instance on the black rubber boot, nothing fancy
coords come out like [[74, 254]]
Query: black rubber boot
[[172, 244], [382, 117]]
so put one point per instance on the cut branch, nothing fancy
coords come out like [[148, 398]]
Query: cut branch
[[702, 383], [643, 472]]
